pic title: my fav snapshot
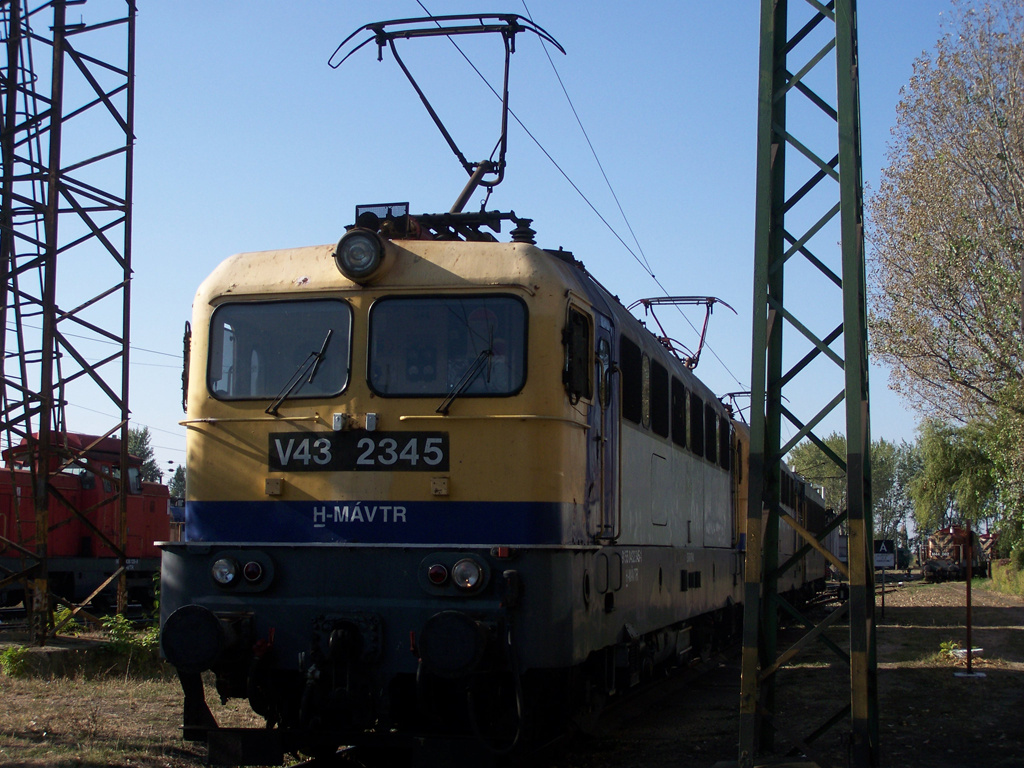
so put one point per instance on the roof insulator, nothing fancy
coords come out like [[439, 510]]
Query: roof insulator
[[522, 233]]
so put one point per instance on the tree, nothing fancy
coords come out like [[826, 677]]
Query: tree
[[1005, 447], [957, 481], [177, 484], [947, 222], [811, 463], [139, 445], [892, 467]]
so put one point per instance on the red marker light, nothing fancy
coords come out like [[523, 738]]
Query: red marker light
[[252, 571], [437, 574]]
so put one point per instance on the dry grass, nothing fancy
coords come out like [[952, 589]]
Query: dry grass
[[88, 722], [86, 705]]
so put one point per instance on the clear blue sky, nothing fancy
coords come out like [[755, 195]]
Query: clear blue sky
[[247, 140]]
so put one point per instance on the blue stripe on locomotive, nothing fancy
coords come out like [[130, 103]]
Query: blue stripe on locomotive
[[404, 522]]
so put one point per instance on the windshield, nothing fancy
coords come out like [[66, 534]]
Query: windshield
[[256, 348], [429, 346]]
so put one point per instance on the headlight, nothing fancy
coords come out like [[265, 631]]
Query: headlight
[[225, 571], [467, 574], [359, 254]]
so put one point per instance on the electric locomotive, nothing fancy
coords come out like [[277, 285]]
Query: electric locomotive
[[441, 485]]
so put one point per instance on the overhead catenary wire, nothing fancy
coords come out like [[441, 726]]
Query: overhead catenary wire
[[642, 259], [98, 340]]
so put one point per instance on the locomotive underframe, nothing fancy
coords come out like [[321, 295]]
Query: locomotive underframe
[[333, 647]]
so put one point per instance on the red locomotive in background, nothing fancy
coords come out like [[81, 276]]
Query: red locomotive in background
[[78, 557], [946, 554]]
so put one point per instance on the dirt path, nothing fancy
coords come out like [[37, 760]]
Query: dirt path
[[928, 716]]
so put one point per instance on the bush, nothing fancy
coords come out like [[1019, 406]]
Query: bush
[[1017, 558], [126, 639], [1006, 578], [14, 660], [132, 650]]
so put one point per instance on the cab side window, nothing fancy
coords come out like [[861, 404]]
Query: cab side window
[[631, 365], [576, 373]]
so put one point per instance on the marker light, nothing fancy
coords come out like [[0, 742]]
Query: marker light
[[359, 254], [252, 571], [225, 571], [467, 574], [437, 574]]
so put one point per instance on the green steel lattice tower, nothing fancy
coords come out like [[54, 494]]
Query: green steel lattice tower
[[810, 293]]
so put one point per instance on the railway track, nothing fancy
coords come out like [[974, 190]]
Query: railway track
[[624, 718], [16, 617]]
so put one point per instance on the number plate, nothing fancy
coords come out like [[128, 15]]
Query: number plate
[[358, 452]]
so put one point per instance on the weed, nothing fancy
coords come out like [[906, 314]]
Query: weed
[[14, 660], [946, 648], [134, 651], [125, 638], [67, 623], [156, 595]]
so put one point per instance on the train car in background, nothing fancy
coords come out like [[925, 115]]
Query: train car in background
[[989, 542], [78, 558], [945, 556], [803, 501]]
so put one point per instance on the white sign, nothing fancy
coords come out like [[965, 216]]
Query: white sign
[[885, 553]]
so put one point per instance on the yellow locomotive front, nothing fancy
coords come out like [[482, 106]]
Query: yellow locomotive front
[[380, 444], [323, 410]]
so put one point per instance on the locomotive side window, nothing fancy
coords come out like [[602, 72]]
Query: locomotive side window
[[604, 365], [257, 348], [576, 372], [659, 399], [429, 346], [632, 380], [696, 424], [645, 390], [724, 453], [710, 434], [678, 413], [134, 480]]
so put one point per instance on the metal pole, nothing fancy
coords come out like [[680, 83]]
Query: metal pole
[[122, 497], [759, 609], [883, 593], [45, 448], [970, 576]]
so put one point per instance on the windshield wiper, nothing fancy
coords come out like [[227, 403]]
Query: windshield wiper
[[310, 364], [467, 378]]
